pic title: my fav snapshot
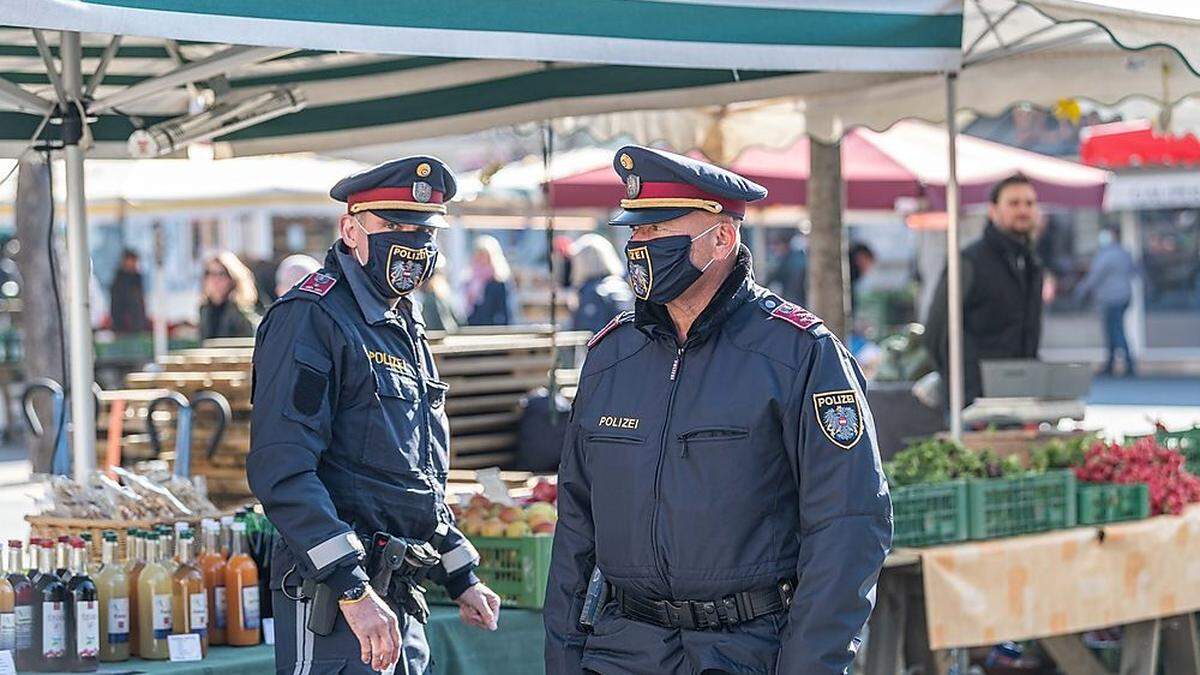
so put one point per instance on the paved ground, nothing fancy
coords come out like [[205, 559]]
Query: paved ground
[[1116, 406]]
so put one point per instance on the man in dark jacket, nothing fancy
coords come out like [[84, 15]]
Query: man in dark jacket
[[720, 468], [1001, 290], [128, 305]]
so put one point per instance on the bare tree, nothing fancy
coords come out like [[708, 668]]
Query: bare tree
[[827, 296], [41, 323]]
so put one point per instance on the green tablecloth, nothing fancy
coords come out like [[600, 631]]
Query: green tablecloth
[[457, 650]]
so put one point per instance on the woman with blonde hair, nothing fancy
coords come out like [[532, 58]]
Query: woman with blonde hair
[[488, 291], [596, 274], [227, 308]]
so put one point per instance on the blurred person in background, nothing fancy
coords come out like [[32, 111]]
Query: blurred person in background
[[862, 261], [489, 291], [596, 272], [1110, 282], [128, 306], [437, 300], [1001, 290], [292, 269], [229, 297], [562, 260], [789, 277]]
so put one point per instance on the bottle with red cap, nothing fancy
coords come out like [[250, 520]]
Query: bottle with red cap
[[8, 604], [31, 559], [49, 612], [62, 554], [23, 653], [83, 613]]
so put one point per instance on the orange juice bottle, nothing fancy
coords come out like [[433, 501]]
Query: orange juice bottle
[[212, 564], [189, 601], [241, 592]]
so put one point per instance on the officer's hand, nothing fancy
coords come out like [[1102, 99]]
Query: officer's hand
[[479, 606], [377, 629]]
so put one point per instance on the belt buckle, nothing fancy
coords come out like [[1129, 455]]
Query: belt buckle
[[681, 614], [709, 615]]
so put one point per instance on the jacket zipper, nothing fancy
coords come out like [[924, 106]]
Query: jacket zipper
[[715, 434], [662, 451]]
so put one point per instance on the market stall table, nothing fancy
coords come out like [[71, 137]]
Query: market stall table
[[457, 649]]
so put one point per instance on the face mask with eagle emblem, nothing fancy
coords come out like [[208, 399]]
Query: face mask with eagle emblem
[[399, 262], [660, 270]]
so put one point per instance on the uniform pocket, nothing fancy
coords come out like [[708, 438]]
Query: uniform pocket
[[710, 437], [622, 476], [309, 403], [393, 439]]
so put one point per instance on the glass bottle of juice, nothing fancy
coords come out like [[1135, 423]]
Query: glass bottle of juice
[[166, 548], [212, 564], [154, 604], [226, 534], [49, 613], [83, 614], [8, 606], [241, 592], [189, 600], [23, 652], [135, 550], [112, 585], [62, 553]]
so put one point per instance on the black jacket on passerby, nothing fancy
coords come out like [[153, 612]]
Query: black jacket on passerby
[[600, 299], [225, 320], [128, 305], [1002, 307], [493, 307]]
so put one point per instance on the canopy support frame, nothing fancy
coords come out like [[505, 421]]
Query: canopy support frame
[[953, 267]]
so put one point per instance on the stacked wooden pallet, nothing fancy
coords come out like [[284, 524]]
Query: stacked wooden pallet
[[488, 372]]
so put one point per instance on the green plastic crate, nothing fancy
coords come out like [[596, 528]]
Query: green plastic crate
[[1111, 503], [515, 568], [1003, 507], [1187, 443], [924, 515]]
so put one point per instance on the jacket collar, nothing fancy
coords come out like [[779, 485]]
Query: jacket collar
[[374, 307], [654, 319]]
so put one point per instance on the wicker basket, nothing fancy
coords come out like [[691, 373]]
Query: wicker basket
[[53, 527]]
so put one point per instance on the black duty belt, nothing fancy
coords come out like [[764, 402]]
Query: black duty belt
[[707, 615]]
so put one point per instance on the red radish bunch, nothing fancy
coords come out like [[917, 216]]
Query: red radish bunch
[[1171, 486]]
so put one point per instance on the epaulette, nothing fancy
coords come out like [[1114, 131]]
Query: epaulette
[[622, 318], [317, 284], [778, 308]]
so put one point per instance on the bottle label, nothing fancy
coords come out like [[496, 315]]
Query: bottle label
[[24, 614], [8, 630], [87, 629], [219, 607], [118, 620], [54, 630], [250, 608], [160, 621], [199, 612]]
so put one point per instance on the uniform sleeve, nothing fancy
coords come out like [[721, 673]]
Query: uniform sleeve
[[845, 513], [456, 572], [296, 371], [571, 563]]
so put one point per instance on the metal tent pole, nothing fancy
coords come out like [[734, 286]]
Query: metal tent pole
[[953, 273], [79, 336]]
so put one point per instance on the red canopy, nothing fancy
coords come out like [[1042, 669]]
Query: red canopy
[[908, 160]]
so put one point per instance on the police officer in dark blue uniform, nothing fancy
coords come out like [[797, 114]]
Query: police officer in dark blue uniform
[[720, 468], [349, 440]]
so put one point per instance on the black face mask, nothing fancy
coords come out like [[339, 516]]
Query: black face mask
[[660, 270], [399, 262]]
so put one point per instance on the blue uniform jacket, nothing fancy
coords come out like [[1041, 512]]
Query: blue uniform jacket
[[348, 434], [742, 457]]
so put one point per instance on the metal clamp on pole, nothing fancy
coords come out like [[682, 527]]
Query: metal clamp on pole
[[183, 430]]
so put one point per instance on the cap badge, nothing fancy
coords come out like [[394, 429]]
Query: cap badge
[[422, 191], [633, 185], [626, 161], [423, 169]]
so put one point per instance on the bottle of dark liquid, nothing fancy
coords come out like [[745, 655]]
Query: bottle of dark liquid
[[83, 614], [62, 554], [23, 606], [49, 613], [8, 606], [31, 560]]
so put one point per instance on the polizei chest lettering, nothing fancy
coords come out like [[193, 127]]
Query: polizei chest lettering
[[619, 422]]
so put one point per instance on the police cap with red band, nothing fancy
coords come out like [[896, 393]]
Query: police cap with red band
[[662, 186], [410, 190]]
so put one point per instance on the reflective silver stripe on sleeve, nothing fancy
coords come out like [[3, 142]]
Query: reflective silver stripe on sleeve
[[333, 549], [459, 557]]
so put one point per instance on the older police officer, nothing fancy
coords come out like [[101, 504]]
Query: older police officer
[[349, 440], [720, 468]]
